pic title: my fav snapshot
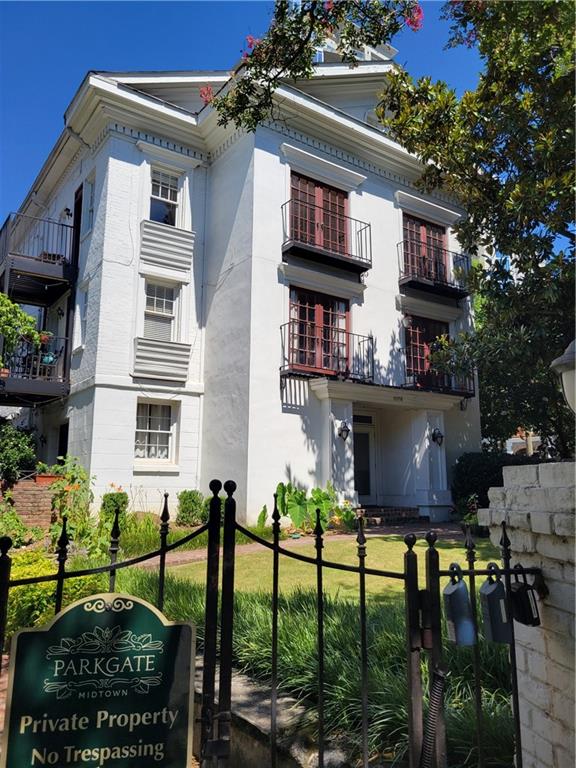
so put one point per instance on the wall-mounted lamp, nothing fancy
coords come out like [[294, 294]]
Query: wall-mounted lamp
[[407, 321], [464, 404], [42, 440], [60, 312], [68, 213], [565, 368], [343, 430], [437, 437]]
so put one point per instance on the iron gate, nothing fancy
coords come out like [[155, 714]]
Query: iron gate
[[423, 625]]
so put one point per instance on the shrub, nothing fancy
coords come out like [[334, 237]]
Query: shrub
[[474, 473], [33, 604], [112, 502], [11, 524], [17, 452], [191, 509]]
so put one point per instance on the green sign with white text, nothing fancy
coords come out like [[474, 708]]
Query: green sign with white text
[[109, 683]]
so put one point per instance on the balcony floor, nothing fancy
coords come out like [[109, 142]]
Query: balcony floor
[[433, 287], [19, 391], [321, 256]]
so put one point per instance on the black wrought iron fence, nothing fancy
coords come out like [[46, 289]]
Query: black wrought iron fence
[[426, 741]]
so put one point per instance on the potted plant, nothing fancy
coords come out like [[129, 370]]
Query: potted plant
[[45, 475], [45, 336]]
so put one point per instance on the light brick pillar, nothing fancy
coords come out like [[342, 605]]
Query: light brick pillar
[[537, 503]]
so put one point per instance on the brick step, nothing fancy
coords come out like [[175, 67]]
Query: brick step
[[383, 515]]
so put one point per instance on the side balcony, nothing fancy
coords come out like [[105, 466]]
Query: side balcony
[[326, 236], [35, 259], [35, 374], [309, 350], [433, 269]]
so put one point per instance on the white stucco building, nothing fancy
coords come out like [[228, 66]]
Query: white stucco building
[[227, 304]]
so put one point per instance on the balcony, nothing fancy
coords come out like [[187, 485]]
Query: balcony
[[35, 374], [36, 258], [427, 267], [431, 381], [309, 351], [318, 234]]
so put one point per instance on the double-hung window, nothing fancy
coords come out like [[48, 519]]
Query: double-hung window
[[160, 312], [318, 338], [155, 428], [164, 197], [424, 249]]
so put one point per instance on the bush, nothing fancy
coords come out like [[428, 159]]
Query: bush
[[17, 453], [112, 502], [33, 604], [474, 473], [191, 509], [11, 524]]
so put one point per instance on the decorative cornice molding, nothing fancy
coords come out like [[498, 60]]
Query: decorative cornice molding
[[321, 281], [410, 305], [426, 208], [173, 156], [321, 169]]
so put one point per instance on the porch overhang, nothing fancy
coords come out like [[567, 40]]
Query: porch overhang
[[396, 397]]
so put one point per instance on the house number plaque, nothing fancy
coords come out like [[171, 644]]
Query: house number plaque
[[108, 683]]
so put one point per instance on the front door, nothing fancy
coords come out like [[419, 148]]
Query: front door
[[364, 474]]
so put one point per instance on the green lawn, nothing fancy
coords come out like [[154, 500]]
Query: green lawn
[[254, 570]]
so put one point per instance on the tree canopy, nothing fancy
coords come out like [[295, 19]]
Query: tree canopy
[[504, 151]]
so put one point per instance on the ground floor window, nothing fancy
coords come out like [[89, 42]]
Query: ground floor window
[[155, 429]]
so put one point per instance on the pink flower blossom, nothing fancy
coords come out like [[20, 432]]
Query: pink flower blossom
[[252, 41], [414, 21], [328, 5], [206, 94]]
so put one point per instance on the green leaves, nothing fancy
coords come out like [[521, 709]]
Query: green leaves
[[15, 324]]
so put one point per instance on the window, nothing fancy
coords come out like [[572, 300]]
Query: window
[[155, 431], [424, 249], [164, 198], [420, 338], [80, 317], [318, 339], [318, 214], [88, 205], [159, 315]]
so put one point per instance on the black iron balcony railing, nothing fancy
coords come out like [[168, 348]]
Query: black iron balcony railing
[[333, 237], [43, 240], [45, 362], [312, 350], [430, 380], [433, 268]]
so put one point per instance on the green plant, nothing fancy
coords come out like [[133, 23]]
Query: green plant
[[475, 473], [12, 525], [112, 502], [15, 324], [301, 508], [71, 498], [33, 604], [17, 452], [191, 508], [206, 505]]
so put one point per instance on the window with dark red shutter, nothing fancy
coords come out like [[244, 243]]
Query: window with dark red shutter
[[424, 249], [318, 214], [318, 333], [420, 337]]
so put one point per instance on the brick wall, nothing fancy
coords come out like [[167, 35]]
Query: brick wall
[[33, 503], [537, 503]]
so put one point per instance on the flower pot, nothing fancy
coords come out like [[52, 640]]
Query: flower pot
[[4, 373], [45, 338], [45, 479]]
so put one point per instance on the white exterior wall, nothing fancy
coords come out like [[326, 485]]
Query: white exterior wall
[[227, 302]]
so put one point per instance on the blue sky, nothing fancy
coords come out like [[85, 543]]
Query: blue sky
[[46, 48]]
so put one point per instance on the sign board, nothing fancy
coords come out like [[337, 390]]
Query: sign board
[[108, 683]]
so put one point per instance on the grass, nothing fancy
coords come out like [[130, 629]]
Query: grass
[[253, 572], [388, 690]]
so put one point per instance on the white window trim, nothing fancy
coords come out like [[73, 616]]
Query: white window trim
[[167, 157], [88, 197], [171, 463], [80, 309], [176, 333]]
